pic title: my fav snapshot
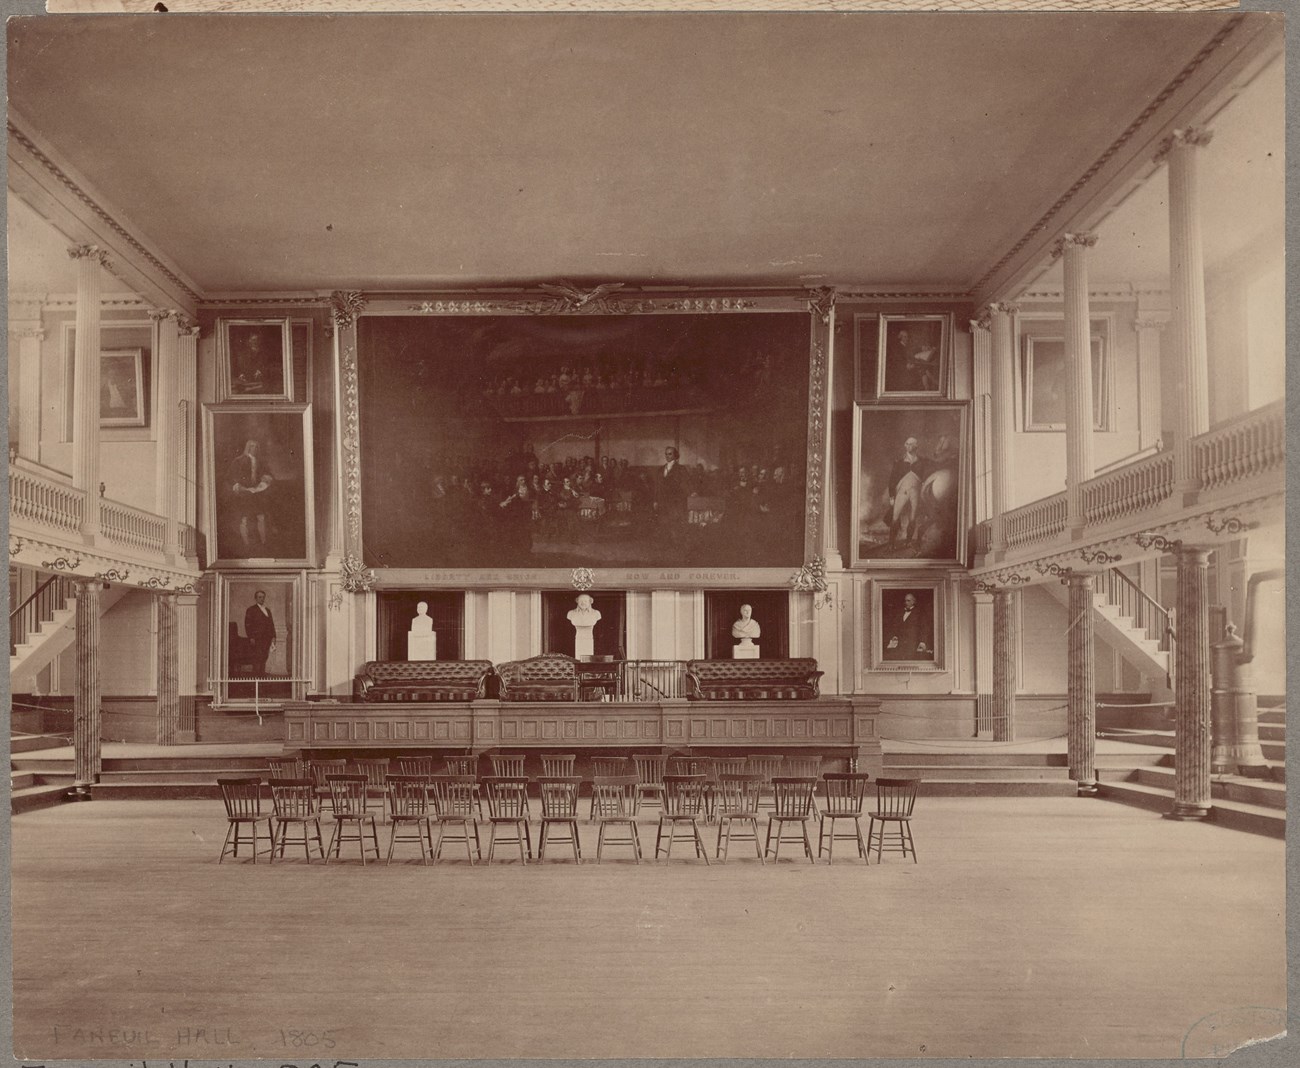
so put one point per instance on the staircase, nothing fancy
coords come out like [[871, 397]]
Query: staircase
[[31, 788], [1248, 804], [1003, 773], [1133, 623], [41, 628]]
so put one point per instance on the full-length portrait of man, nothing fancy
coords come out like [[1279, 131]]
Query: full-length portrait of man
[[259, 629]]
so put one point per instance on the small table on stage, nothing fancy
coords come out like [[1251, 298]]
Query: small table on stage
[[598, 679]]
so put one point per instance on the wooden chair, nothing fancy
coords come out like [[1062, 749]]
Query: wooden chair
[[766, 767], [288, 768], [792, 803], [683, 807], [376, 773], [243, 801], [348, 798], [649, 779], [559, 809], [844, 796], [421, 766], [803, 767], [611, 805], [295, 804], [737, 802], [507, 798], [558, 766], [454, 798], [895, 799], [606, 767], [686, 764], [507, 765], [466, 767], [320, 771], [717, 767], [408, 811]]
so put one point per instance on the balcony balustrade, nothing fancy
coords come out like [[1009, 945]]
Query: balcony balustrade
[[45, 498]]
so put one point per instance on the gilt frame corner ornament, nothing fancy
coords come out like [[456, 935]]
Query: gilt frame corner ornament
[[583, 578]]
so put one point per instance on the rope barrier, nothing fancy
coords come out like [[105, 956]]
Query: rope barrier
[[965, 746]]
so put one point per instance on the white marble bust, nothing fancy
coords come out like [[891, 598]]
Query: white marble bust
[[422, 624], [746, 628], [584, 619]]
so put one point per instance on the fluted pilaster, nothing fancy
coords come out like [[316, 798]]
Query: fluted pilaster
[[1002, 416], [86, 698], [187, 411], [168, 670], [1081, 713], [1192, 687], [980, 392], [30, 335], [1187, 294], [91, 259], [1149, 329], [1005, 604], [1078, 357], [166, 469]]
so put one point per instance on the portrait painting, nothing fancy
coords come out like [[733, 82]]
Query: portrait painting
[[1046, 379], [909, 490], [121, 388], [256, 359], [259, 485], [913, 359], [907, 626], [615, 440], [259, 636]]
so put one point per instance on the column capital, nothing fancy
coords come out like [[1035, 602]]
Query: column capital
[[1072, 240], [983, 323], [1151, 322], [28, 329], [1184, 137], [345, 306], [82, 252]]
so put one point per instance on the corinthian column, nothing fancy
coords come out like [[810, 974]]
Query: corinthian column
[[1187, 296], [1081, 714], [1078, 358], [1192, 688], [165, 473], [1004, 664], [85, 703], [85, 399]]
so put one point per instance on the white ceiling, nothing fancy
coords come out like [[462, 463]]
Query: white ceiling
[[290, 153]]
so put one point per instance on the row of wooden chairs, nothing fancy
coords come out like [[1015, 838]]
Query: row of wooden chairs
[[416, 803]]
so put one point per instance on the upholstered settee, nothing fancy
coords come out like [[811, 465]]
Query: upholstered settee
[[752, 680], [549, 677], [422, 680]]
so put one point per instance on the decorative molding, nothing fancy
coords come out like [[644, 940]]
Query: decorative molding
[[345, 306], [1070, 240], [1044, 567], [811, 578], [457, 307], [188, 587], [1148, 539], [821, 302], [15, 546], [817, 435], [113, 575], [350, 437], [1129, 132], [711, 304], [1150, 323], [335, 602], [1230, 525], [904, 294], [61, 563], [984, 322], [1184, 137], [1006, 577], [583, 578], [357, 578], [27, 330], [155, 582], [89, 252], [92, 564], [1099, 556]]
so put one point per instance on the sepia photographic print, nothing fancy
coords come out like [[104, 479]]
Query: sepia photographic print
[[564, 535]]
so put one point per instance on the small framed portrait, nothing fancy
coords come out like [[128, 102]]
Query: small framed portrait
[[1046, 375], [258, 637], [913, 356], [121, 388], [910, 485], [907, 625], [259, 482], [256, 359]]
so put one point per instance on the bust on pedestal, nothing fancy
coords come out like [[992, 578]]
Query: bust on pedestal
[[746, 629], [584, 619], [421, 641]]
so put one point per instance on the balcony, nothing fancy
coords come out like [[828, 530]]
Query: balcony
[[1239, 466], [46, 530]]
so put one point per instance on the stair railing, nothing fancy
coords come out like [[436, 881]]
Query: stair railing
[[1148, 614], [45, 600]]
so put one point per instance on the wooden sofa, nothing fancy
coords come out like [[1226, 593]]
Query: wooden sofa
[[793, 679], [422, 680], [549, 677]]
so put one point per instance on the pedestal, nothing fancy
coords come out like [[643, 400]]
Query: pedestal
[[421, 646], [584, 642], [746, 650]]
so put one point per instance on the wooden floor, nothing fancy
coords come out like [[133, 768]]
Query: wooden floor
[[1030, 927]]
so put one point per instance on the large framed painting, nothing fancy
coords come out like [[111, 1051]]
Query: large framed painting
[[910, 486], [544, 441], [908, 625], [259, 485], [913, 356], [258, 639], [121, 388], [1045, 375], [255, 359]]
